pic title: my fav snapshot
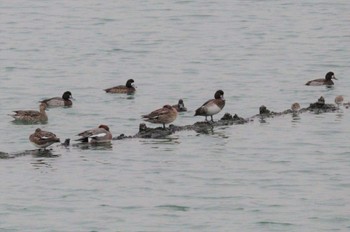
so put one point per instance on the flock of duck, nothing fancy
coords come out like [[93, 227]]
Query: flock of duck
[[165, 115]]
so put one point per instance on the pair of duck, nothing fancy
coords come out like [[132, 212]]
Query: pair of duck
[[167, 114], [43, 139], [33, 116]]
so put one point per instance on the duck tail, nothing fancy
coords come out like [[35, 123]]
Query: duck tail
[[199, 111]]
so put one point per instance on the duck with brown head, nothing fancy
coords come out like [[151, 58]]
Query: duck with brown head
[[339, 100], [31, 116], [43, 139], [164, 115], [212, 106], [97, 135]]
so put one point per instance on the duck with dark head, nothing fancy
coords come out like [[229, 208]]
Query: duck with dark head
[[212, 106], [180, 106], [323, 81], [128, 88], [65, 100]]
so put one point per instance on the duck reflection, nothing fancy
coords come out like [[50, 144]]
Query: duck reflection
[[92, 146], [44, 153]]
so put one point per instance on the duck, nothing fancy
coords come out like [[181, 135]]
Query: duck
[[165, 115], [339, 100], [31, 116], [212, 106], [180, 106], [326, 81], [65, 100], [295, 107], [43, 139], [101, 134], [128, 88]]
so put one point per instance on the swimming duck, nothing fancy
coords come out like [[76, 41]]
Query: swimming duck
[[326, 81], [128, 88], [339, 100], [31, 116], [43, 139], [100, 134], [212, 106], [164, 115], [295, 107], [59, 101], [180, 106]]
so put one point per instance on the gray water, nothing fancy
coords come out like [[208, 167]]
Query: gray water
[[283, 174]]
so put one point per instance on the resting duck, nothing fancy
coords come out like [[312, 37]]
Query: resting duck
[[43, 139], [31, 116], [180, 106], [100, 134], [212, 106], [164, 115], [295, 107], [339, 100], [65, 100], [326, 81], [128, 88]]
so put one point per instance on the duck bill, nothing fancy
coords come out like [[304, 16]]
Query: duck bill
[[334, 78]]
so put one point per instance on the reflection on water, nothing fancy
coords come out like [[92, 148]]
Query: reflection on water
[[295, 117], [90, 146], [35, 153], [20, 122], [339, 116], [45, 153], [168, 140]]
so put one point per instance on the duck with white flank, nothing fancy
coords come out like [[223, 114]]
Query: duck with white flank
[[128, 88], [31, 116], [65, 100], [97, 135], [43, 139], [323, 81], [164, 115], [212, 106]]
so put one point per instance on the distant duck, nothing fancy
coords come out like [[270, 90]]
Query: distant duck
[[326, 81], [31, 116], [339, 100], [65, 100], [97, 135], [212, 106], [320, 102], [128, 88], [295, 107], [43, 139], [180, 106], [164, 115]]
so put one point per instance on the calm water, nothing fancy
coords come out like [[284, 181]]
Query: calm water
[[285, 174]]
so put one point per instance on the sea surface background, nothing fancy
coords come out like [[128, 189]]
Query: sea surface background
[[281, 174]]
